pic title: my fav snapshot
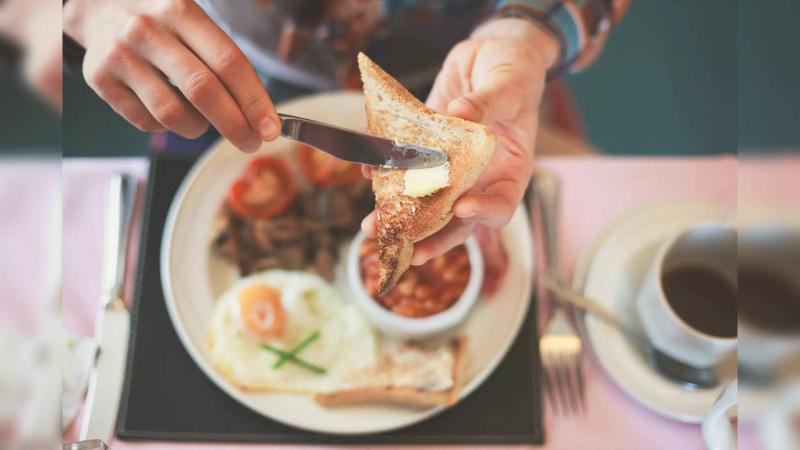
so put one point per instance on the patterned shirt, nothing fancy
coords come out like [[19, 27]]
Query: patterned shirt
[[313, 43]]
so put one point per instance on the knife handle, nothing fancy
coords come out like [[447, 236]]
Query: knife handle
[[546, 192], [119, 214], [106, 380]]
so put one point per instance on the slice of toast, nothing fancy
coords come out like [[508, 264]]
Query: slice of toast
[[392, 112], [408, 374]]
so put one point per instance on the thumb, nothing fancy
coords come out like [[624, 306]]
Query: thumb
[[495, 98]]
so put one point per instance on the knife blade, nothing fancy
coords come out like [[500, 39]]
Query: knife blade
[[113, 319], [360, 148]]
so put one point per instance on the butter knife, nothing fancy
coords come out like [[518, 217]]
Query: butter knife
[[358, 147], [113, 319]]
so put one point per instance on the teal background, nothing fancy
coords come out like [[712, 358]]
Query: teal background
[[26, 124], [768, 70], [666, 82], [676, 77]]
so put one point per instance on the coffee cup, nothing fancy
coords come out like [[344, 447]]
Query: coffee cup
[[687, 300], [769, 296]]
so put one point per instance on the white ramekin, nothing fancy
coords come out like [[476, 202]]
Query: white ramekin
[[401, 327]]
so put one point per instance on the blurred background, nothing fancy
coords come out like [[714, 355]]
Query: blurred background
[[28, 126], [668, 82], [665, 84]]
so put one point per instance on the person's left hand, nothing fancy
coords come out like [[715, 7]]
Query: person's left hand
[[496, 77], [35, 25]]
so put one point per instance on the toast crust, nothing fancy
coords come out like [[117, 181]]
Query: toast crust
[[393, 113], [404, 395]]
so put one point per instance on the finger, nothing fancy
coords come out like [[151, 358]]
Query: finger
[[225, 59], [125, 103], [43, 71], [121, 98], [195, 81], [450, 82], [438, 99], [370, 225], [162, 101], [495, 98], [453, 234], [493, 210]]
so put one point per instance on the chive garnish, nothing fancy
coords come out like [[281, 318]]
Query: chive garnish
[[299, 348], [295, 359]]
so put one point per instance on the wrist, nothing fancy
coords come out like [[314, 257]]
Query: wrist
[[534, 35]]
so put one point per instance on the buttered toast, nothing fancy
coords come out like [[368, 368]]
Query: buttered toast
[[404, 218], [406, 374]]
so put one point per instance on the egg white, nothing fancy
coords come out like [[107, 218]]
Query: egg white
[[347, 341]]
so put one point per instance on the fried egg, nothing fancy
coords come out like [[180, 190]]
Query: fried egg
[[307, 305]]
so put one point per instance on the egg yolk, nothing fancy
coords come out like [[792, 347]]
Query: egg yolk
[[262, 312]]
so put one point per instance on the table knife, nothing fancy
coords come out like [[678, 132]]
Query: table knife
[[113, 319], [358, 147]]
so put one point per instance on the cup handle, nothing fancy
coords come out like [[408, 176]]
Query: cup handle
[[718, 432]]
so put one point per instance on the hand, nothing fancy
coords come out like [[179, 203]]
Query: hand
[[496, 77], [164, 64], [35, 25]]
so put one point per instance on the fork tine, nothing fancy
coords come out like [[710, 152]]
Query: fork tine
[[563, 375], [560, 348], [561, 386], [549, 387], [581, 386], [570, 390], [576, 373]]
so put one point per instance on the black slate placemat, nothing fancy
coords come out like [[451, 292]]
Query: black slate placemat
[[167, 397]]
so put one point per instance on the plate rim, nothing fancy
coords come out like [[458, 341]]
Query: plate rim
[[214, 151]]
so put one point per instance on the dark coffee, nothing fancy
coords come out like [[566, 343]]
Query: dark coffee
[[768, 300], [703, 298]]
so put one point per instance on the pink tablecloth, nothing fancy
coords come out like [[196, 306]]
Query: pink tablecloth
[[594, 191]]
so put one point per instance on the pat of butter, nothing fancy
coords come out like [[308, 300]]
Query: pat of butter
[[422, 182]]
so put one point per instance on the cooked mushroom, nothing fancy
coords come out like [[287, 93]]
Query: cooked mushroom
[[266, 263], [324, 263], [305, 237], [263, 237]]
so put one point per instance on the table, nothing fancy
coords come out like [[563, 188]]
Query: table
[[595, 189]]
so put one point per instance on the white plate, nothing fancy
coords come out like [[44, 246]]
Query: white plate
[[609, 271], [193, 279]]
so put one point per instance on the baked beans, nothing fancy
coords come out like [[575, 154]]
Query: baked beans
[[422, 290]]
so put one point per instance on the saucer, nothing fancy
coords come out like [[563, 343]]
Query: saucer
[[610, 271]]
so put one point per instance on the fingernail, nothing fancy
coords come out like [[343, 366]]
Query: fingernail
[[369, 231], [252, 145], [268, 128], [478, 110], [467, 214]]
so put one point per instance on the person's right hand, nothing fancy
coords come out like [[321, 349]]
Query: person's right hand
[[164, 64]]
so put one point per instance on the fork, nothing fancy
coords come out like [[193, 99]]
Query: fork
[[560, 348], [560, 345]]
